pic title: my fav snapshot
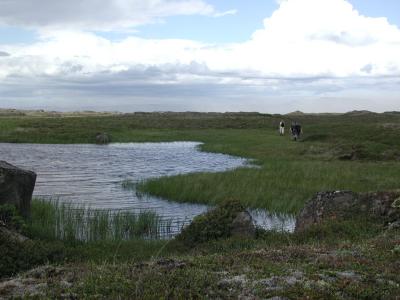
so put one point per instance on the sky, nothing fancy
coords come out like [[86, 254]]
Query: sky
[[273, 56]]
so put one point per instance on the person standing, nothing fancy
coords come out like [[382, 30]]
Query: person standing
[[296, 130], [282, 127]]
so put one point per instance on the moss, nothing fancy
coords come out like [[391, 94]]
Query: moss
[[213, 225]]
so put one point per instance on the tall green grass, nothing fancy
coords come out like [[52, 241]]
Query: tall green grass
[[278, 185], [54, 220]]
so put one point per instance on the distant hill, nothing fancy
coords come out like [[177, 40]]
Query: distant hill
[[42, 113], [360, 113], [392, 112], [296, 113]]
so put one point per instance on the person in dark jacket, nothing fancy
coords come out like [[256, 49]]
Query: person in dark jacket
[[296, 130]]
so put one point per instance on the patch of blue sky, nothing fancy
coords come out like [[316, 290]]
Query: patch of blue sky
[[379, 8], [16, 35], [230, 28]]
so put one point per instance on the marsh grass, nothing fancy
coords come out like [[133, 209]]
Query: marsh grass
[[54, 220], [289, 172], [279, 186]]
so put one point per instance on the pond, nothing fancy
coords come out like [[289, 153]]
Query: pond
[[93, 175]]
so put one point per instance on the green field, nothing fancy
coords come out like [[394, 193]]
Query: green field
[[359, 152], [353, 259]]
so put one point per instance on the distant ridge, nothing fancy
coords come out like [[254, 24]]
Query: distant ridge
[[296, 113], [360, 113], [392, 112]]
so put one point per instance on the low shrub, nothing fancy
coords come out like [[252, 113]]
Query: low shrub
[[20, 256], [214, 224]]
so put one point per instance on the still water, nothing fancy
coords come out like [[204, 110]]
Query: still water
[[92, 175]]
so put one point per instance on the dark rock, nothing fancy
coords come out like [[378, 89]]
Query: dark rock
[[345, 205], [243, 225], [324, 205], [16, 187], [103, 138]]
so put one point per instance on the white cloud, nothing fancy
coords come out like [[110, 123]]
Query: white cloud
[[225, 13], [302, 38], [314, 37], [307, 47], [96, 14]]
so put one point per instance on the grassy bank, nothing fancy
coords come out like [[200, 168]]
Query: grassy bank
[[357, 152]]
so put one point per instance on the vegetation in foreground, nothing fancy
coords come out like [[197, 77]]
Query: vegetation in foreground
[[353, 259]]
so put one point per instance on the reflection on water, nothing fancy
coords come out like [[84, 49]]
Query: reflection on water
[[92, 175]]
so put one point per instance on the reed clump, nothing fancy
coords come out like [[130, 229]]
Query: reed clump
[[54, 220]]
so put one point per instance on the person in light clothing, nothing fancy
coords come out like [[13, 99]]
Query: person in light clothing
[[282, 127]]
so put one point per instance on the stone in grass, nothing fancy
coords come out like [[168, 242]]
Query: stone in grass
[[16, 187], [103, 138], [227, 219], [342, 205]]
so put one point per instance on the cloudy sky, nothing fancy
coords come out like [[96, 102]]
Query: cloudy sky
[[201, 55]]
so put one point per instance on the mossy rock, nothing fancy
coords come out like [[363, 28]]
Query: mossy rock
[[217, 223]]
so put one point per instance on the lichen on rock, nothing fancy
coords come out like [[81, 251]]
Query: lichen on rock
[[341, 205]]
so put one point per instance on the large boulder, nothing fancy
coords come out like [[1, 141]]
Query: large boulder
[[243, 225], [345, 205], [16, 187]]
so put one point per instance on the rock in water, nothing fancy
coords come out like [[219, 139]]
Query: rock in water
[[345, 205], [103, 138], [16, 187]]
